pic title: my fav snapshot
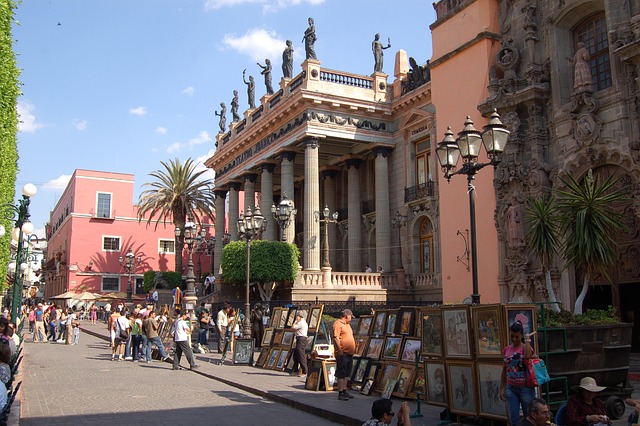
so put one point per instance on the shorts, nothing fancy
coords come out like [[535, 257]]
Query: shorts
[[118, 341], [343, 366]]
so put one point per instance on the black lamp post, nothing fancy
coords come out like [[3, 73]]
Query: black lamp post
[[130, 263], [250, 225], [328, 218], [283, 213], [494, 137], [190, 236]]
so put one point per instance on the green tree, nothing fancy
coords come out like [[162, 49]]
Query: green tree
[[589, 222], [178, 192], [544, 238], [272, 262]]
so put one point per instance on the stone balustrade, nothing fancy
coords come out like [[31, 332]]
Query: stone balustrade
[[426, 281]]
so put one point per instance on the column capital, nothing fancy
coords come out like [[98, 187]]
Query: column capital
[[251, 177], [384, 151], [269, 167], [330, 173], [311, 142], [220, 193], [235, 186], [353, 162], [288, 155]]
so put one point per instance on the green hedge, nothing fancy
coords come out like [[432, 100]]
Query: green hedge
[[270, 261], [173, 279]]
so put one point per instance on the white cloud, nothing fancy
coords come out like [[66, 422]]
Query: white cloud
[[267, 5], [258, 43], [188, 91], [80, 125], [155, 150], [200, 164], [174, 147], [58, 183], [161, 130], [202, 137], [28, 122], [217, 4], [138, 110]]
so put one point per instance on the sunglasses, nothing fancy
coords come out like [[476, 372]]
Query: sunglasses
[[391, 414]]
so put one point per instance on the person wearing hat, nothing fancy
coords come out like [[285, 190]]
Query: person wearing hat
[[344, 346], [585, 408], [300, 327]]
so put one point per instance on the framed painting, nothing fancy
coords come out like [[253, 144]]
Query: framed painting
[[461, 382], [436, 383], [372, 371], [267, 337], [284, 314], [418, 387], [315, 314], [277, 337], [389, 371], [378, 323], [276, 314], [404, 381], [243, 352], [291, 318], [487, 322], [374, 348], [431, 332], [410, 347], [313, 378], [390, 326], [282, 359], [311, 339], [364, 326], [457, 342], [287, 338], [406, 321], [354, 324], [389, 386], [262, 358], [359, 375], [361, 345], [367, 387], [354, 365], [273, 358], [392, 346], [489, 390], [526, 315], [329, 374]]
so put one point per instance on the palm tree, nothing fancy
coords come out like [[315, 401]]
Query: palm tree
[[589, 222], [543, 238], [178, 192]]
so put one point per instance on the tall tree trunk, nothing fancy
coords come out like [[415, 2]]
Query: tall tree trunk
[[577, 309], [266, 290], [551, 294]]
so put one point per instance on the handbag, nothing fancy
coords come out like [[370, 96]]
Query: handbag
[[122, 334], [537, 374]]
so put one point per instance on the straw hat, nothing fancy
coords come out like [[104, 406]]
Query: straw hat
[[589, 383]]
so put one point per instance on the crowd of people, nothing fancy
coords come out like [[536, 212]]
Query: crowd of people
[[50, 323]]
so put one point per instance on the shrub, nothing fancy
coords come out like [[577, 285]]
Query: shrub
[[591, 317]]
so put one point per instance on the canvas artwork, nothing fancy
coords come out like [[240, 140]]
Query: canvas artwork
[[526, 315], [361, 345], [291, 318], [275, 317], [243, 351], [314, 318], [287, 338], [488, 336], [375, 347], [391, 322], [367, 387], [273, 358], [432, 332], [388, 372], [313, 379], [364, 326], [391, 347], [277, 337], [389, 386], [419, 385], [436, 383], [406, 317], [456, 332], [262, 358], [462, 390], [282, 359], [284, 314], [410, 347], [267, 336], [311, 339], [372, 371], [403, 381], [329, 373], [489, 389], [378, 323], [363, 365]]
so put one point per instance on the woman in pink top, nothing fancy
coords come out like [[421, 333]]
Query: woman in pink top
[[513, 387]]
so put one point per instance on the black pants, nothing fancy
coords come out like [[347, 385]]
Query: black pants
[[299, 355], [183, 347]]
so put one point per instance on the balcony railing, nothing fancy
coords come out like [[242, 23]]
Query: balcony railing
[[417, 192], [347, 79]]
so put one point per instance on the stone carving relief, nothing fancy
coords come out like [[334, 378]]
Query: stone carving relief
[[508, 59], [629, 263], [516, 277], [586, 129]]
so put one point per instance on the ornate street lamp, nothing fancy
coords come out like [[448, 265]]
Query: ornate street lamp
[[130, 263], [328, 218], [19, 213], [250, 226], [190, 235], [494, 137], [283, 213]]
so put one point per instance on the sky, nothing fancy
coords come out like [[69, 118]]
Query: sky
[[121, 85]]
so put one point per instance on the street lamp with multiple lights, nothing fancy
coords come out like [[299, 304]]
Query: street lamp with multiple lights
[[283, 213], [494, 138], [250, 226], [130, 263], [190, 235], [327, 218]]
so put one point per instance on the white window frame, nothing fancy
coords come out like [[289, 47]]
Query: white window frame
[[110, 194], [119, 243], [116, 277], [160, 247]]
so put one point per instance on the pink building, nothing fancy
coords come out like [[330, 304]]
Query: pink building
[[93, 224]]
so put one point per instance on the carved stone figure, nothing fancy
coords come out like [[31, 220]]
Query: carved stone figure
[[251, 89], [309, 40], [582, 72], [378, 54], [223, 117], [287, 61], [266, 71], [234, 107], [514, 221]]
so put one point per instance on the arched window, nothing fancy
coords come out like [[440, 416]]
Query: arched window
[[593, 33], [426, 247]]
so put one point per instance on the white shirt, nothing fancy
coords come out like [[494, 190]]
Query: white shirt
[[223, 320], [301, 328], [181, 331], [155, 295], [107, 307], [122, 323]]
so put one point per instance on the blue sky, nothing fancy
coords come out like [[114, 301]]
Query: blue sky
[[120, 85]]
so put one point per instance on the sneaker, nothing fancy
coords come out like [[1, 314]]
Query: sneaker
[[165, 358], [342, 396], [295, 373], [128, 358], [194, 366], [348, 395]]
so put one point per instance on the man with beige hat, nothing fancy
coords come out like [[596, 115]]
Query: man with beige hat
[[585, 408]]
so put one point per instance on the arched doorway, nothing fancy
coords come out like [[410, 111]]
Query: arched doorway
[[426, 246]]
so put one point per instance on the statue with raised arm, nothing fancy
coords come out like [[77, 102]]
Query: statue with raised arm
[[234, 107], [287, 60], [266, 71], [309, 40], [223, 116], [378, 54], [251, 89]]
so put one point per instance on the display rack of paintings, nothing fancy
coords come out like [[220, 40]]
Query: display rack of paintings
[[431, 332], [488, 332], [461, 382], [526, 315], [456, 321], [491, 405]]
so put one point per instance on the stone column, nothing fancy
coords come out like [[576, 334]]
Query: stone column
[[220, 224], [383, 234], [354, 231], [311, 244], [330, 201], [250, 191], [266, 200], [286, 186], [234, 188]]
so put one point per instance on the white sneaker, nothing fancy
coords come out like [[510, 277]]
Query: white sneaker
[[128, 358]]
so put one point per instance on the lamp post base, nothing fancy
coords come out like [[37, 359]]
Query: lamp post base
[[190, 302]]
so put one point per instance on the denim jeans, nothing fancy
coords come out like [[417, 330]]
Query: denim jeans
[[202, 336], [518, 396], [159, 344], [143, 351]]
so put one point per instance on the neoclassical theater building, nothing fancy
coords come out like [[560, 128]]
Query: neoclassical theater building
[[563, 75]]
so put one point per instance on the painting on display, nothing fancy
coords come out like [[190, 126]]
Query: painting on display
[[487, 321], [391, 349], [456, 332], [390, 327], [405, 321], [374, 349], [462, 387], [388, 371], [489, 390], [431, 332], [436, 383], [361, 345], [314, 317], [267, 336], [243, 352], [410, 347], [364, 326], [403, 382], [526, 315], [379, 320]]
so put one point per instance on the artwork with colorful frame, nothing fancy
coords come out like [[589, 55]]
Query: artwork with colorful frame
[[359, 375], [388, 371], [364, 326], [457, 341], [361, 345], [431, 332], [461, 380], [313, 378], [262, 358], [392, 346], [491, 405], [243, 352], [526, 314], [436, 383], [418, 386], [374, 349], [276, 314], [379, 320], [406, 321], [329, 375], [487, 322], [267, 337], [287, 338], [409, 348], [273, 358], [390, 325], [404, 380], [315, 314]]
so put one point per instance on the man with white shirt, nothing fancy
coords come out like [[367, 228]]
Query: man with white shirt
[[301, 328], [222, 321], [181, 339]]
